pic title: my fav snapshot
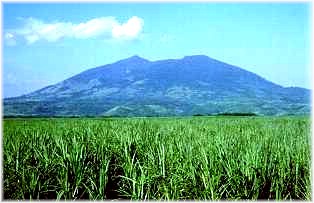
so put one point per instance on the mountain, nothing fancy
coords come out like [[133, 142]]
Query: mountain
[[139, 87]]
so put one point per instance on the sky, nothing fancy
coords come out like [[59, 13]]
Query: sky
[[45, 43]]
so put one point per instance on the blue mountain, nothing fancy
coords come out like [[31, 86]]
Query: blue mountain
[[174, 87]]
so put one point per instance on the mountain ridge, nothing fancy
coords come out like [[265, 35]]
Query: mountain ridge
[[136, 86]]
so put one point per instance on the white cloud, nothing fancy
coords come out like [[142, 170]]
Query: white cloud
[[34, 30], [9, 35], [130, 29], [9, 39], [94, 27]]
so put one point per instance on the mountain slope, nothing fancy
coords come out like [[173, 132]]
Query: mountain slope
[[138, 87]]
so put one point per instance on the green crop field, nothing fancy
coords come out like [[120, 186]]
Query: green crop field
[[196, 158]]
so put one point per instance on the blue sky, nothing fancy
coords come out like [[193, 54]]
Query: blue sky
[[46, 43]]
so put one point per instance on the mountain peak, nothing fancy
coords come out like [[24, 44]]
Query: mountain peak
[[202, 58], [134, 59], [196, 57], [134, 86]]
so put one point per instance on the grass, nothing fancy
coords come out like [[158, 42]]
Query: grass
[[200, 158]]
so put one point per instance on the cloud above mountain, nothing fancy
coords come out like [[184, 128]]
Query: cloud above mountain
[[34, 30], [9, 39]]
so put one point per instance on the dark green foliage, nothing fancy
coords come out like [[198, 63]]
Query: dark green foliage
[[237, 114], [197, 158]]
